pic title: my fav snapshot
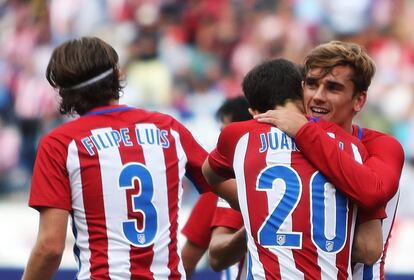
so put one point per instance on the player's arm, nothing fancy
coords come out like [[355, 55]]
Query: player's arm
[[227, 247], [228, 238], [197, 230], [191, 254], [224, 188], [218, 167], [370, 185], [46, 255], [368, 242]]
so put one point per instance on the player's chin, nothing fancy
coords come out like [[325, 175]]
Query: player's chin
[[325, 116]]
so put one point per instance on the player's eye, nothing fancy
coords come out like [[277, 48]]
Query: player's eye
[[311, 83], [331, 86]]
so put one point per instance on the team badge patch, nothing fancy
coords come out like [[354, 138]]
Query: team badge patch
[[329, 246], [141, 238], [281, 239]]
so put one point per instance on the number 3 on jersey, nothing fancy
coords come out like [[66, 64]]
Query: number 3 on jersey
[[270, 233], [141, 202]]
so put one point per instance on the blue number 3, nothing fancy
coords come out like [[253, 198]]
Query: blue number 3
[[141, 202], [270, 234]]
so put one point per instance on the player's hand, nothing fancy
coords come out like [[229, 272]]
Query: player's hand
[[286, 120]]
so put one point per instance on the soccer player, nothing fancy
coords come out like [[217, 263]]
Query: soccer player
[[337, 77], [115, 170], [297, 224], [199, 227]]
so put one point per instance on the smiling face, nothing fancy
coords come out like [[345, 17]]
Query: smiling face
[[332, 97]]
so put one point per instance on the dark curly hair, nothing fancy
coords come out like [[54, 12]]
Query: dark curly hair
[[80, 60], [237, 108], [272, 83]]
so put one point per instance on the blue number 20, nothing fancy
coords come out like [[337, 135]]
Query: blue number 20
[[141, 202], [270, 234]]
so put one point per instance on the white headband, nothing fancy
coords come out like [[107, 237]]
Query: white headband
[[92, 80]]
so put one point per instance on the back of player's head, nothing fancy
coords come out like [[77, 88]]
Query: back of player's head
[[85, 73], [272, 84], [234, 109], [338, 53]]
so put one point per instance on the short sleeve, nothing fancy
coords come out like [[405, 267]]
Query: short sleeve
[[197, 229], [365, 215], [221, 158], [225, 216], [196, 155], [50, 183]]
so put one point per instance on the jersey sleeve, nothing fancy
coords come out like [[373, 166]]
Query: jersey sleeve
[[370, 185], [197, 229], [365, 215], [196, 155], [50, 183], [225, 216], [221, 158]]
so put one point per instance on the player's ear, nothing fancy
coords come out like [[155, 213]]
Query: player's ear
[[253, 112], [359, 101], [121, 73]]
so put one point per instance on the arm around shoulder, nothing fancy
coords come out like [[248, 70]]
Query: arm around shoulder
[[370, 184]]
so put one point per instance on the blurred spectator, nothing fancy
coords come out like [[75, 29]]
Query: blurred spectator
[[10, 138], [149, 80]]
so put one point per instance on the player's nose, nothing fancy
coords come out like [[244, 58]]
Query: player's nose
[[320, 94]]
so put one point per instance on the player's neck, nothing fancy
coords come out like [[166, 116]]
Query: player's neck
[[292, 106], [348, 128], [114, 102]]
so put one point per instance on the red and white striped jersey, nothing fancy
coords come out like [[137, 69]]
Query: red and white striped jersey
[[298, 225], [119, 170], [388, 151], [373, 184]]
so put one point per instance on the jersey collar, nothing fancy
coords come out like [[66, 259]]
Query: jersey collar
[[107, 109]]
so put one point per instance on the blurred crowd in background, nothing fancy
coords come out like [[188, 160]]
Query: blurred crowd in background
[[184, 57]]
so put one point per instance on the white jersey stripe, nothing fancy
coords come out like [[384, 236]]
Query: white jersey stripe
[[182, 159], [390, 209], [352, 233], [155, 162], [78, 218], [325, 259], [255, 266], [358, 271], [357, 155], [243, 268], [118, 249]]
